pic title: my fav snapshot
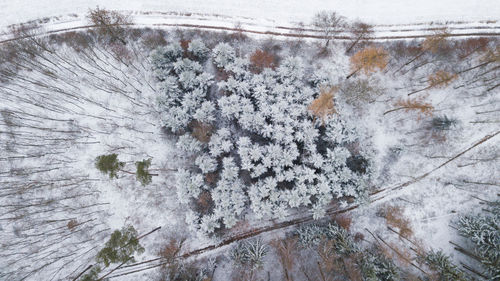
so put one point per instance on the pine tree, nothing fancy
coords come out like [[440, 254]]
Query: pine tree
[[484, 233], [223, 54], [109, 164], [442, 265], [121, 247], [142, 174]]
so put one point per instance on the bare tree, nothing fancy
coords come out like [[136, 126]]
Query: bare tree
[[109, 23], [330, 23], [361, 31]]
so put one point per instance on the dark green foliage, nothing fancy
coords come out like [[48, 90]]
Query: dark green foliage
[[142, 173], [92, 275], [442, 265], [109, 164], [442, 123], [484, 232], [121, 247], [357, 164], [184, 272]]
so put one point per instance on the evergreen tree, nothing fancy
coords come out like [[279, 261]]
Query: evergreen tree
[[142, 173], [121, 247], [442, 265], [484, 232]]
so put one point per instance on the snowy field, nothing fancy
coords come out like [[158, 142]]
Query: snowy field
[[374, 12]]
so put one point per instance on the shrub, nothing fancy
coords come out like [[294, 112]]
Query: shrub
[[171, 249], [437, 41], [154, 39], [394, 217], [471, 45]]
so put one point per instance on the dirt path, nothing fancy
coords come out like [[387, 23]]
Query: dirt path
[[251, 26]]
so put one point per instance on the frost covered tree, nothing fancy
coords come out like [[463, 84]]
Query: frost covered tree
[[277, 141], [198, 49], [250, 254], [484, 233], [223, 54], [330, 23], [183, 85], [444, 268]]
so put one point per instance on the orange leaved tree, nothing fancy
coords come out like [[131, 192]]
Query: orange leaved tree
[[323, 105], [432, 43], [439, 79], [369, 60], [418, 105]]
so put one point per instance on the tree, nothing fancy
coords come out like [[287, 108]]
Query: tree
[[444, 269], [260, 60], [142, 174], [109, 23], [437, 41], [360, 31], [418, 104], [484, 233], [223, 54], [441, 78], [330, 23], [250, 254], [368, 60], [323, 105], [109, 164], [121, 247]]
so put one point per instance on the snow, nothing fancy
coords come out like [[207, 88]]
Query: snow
[[379, 12]]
